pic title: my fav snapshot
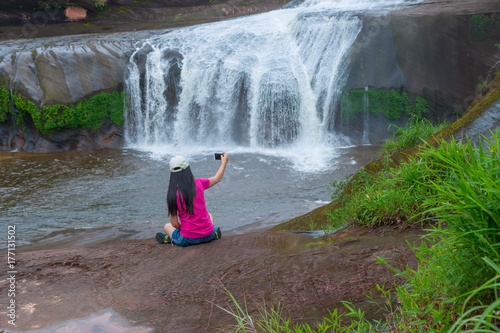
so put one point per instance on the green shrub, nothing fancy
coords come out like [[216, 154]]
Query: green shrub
[[482, 27], [99, 4], [89, 113], [421, 107], [391, 104], [24, 107]]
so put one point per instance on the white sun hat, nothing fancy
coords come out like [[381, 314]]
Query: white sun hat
[[178, 163]]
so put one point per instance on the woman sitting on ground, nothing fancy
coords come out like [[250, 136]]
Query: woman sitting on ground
[[190, 222]]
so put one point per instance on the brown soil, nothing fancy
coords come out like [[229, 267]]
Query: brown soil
[[175, 289], [117, 18]]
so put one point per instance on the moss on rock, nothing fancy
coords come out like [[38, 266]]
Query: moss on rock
[[87, 114], [392, 104]]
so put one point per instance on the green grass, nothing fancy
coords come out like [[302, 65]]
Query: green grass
[[4, 104], [457, 187], [393, 196], [270, 318], [416, 130], [454, 189]]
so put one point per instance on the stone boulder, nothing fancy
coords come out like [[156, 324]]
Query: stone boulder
[[75, 13]]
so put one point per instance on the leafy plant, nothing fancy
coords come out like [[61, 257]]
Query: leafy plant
[[67, 4], [416, 130], [471, 208], [312, 225], [44, 5], [24, 107], [482, 84], [455, 288], [421, 107], [483, 317], [99, 4]]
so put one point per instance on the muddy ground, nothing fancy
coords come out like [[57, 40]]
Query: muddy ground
[[174, 289]]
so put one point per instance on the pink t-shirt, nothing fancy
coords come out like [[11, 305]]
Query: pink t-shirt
[[198, 224]]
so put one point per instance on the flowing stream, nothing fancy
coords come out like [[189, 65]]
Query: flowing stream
[[264, 88]]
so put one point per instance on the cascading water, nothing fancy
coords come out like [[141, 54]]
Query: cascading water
[[265, 81], [366, 117]]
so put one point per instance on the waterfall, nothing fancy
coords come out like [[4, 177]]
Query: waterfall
[[271, 80], [366, 118]]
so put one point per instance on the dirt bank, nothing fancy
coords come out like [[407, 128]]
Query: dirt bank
[[34, 21], [175, 289]]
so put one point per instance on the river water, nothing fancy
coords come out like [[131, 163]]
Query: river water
[[79, 198]]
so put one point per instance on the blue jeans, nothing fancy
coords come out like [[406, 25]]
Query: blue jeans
[[184, 241]]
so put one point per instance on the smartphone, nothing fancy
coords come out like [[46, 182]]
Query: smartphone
[[218, 156]]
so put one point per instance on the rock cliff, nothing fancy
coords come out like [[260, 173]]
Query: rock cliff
[[428, 50]]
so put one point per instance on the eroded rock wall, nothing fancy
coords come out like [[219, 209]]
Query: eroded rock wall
[[427, 50], [55, 71]]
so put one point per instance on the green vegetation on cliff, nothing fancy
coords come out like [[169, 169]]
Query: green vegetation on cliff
[[455, 188], [87, 114], [4, 104], [392, 104], [483, 27]]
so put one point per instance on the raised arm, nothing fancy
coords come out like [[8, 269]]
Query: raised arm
[[220, 173]]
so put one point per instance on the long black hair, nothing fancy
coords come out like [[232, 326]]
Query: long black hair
[[181, 183]]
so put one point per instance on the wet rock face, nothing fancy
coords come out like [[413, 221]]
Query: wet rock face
[[427, 50], [28, 139], [306, 276], [51, 71]]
